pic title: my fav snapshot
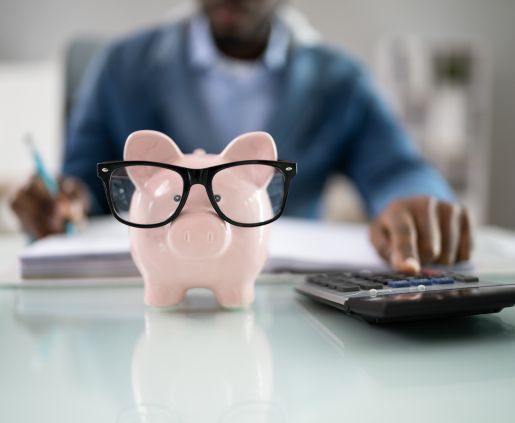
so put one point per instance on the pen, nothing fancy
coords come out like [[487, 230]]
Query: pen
[[49, 182]]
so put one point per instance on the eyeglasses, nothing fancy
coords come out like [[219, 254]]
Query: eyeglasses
[[150, 194]]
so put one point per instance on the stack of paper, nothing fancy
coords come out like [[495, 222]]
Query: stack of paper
[[102, 250]]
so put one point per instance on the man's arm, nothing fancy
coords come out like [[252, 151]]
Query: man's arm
[[416, 217], [382, 161]]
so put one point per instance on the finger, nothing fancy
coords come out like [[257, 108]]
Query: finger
[[449, 217], [402, 233], [465, 244], [36, 221], [24, 205], [35, 198], [37, 189], [74, 199], [43, 226], [379, 239], [70, 210], [38, 226], [35, 208], [70, 187], [425, 215]]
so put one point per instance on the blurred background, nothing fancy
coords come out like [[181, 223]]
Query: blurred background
[[446, 66]]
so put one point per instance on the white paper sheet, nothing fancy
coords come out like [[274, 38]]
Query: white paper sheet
[[301, 244]]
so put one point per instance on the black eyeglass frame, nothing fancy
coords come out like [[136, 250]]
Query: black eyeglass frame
[[192, 177]]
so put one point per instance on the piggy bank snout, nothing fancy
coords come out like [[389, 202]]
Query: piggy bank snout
[[198, 235]]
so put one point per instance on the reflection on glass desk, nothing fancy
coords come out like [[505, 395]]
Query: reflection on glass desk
[[98, 355]]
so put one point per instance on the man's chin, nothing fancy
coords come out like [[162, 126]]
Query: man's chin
[[229, 26]]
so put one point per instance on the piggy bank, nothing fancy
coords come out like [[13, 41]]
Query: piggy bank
[[198, 249]]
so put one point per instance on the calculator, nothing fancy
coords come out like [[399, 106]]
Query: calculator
[[392, 296]]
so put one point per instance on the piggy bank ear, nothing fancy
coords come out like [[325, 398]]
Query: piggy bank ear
[[150, 146], [253, 146]]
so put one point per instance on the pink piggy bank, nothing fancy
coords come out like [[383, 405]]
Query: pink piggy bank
[[198, 249]]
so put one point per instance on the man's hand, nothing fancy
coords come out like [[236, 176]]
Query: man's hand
[[412, 232], [42, 214]]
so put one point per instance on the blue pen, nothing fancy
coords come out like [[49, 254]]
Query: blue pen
[[48, 180]]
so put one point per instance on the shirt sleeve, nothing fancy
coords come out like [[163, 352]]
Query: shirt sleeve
[[89, 139], [381, 160]]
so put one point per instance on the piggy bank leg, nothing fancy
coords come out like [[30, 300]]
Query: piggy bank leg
[[163, 294], [235, 296]]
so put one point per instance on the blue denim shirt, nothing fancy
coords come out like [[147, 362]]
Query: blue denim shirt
[[326, 116]]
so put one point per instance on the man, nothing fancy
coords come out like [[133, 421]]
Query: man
[[237, 67]]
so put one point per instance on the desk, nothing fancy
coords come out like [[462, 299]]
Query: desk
[[98, 355]]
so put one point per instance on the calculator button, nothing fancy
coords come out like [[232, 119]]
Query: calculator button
[[465, 278], [399, 284], [445, 280], [347, 287], [339, 278], [417, 282], [376, 278], [366, 284], [316, 279]]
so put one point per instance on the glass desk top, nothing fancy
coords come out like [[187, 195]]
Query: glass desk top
[[99, 355]]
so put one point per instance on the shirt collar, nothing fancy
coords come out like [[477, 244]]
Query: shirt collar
[[204, 54]]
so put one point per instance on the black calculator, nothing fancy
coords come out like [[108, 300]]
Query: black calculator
[[392, 296]]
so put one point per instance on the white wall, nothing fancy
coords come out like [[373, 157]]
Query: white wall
[[38, 30], [29, 104]]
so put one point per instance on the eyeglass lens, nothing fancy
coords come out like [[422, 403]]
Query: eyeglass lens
[[145, 195], [250, 193]]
